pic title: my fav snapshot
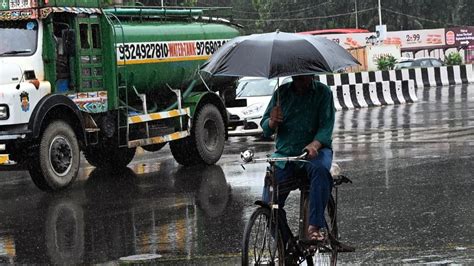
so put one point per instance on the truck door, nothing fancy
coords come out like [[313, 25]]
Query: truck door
[[89, 74]]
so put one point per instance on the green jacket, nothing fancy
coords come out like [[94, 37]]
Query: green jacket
[[306, 118]]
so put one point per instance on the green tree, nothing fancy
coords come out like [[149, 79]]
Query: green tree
[[303, 15], [264, 8]]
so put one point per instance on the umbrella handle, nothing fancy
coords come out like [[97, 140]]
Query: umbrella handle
[[278, 104], [278, 91]]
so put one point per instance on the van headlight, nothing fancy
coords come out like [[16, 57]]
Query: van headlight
[[4, 113]]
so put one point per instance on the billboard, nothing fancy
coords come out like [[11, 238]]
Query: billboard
[[460, 36], [349, 40], [416, 38], [407, 40]]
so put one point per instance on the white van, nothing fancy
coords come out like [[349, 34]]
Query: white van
[[245, 121]]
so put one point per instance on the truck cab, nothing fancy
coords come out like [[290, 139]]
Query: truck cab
[[21, 65]]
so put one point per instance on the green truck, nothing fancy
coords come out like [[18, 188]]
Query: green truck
[[104, 78]]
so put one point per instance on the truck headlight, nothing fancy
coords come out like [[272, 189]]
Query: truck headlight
[[254, 110], [4, 113]]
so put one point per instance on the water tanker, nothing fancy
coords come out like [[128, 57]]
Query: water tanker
[[152, 54], [81, 75]]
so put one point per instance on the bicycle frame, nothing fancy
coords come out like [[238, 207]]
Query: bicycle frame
[[276, 188]]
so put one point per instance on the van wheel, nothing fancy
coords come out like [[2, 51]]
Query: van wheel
[[56, 162], [206, 143]]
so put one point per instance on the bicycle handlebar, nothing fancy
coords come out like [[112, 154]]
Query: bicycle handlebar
[[248, 156]]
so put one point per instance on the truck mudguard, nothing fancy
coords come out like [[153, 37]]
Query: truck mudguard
[[198, 99], [60, 106]]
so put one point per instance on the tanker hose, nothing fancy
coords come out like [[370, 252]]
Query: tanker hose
[[150, 110], [185, 94], [172, 106]]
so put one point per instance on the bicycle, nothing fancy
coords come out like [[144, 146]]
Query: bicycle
[[263, 242]]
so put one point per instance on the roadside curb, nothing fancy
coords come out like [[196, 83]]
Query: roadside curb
[[373, 94], [376, 88], [423, 77]]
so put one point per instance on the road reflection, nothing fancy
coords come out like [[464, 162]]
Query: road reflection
[[174, 212], [64, 231], [424, 121]]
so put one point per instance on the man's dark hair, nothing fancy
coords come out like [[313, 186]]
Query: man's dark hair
[[300, 77]]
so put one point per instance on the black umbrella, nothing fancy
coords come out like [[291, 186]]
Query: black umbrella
[[278, 54]]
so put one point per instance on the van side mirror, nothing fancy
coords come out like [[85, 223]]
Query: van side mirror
[[69, 38]]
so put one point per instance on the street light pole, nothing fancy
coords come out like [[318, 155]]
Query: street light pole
[[161, 3], [357, 17], [380, 14]]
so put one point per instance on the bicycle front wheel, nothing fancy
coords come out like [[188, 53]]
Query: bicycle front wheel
[[260, 246]]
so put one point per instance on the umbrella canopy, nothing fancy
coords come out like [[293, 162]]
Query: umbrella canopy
[[278, 54]]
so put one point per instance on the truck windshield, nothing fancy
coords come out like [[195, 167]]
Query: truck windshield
[[18, 38]]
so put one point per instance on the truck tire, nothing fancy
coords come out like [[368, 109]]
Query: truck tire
[[206, 143], [108, 155], [56, 162]]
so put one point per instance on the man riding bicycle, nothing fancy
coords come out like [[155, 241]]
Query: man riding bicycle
[[303, 120]]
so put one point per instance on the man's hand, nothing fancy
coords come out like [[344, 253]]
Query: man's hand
[[276, 117], [313, 148]]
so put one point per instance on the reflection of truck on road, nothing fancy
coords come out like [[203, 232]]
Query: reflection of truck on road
[[87, 76], [114, 216]]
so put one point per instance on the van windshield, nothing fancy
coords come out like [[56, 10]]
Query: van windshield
[[18, 38], [258, 87]]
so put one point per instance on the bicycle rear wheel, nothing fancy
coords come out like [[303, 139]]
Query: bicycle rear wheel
[[331, 223], [327, 255], [259, 245]]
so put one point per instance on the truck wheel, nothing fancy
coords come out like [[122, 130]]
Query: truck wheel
[[206, 143], [108, 156], [154, 147], [182, 152], [57, 158]]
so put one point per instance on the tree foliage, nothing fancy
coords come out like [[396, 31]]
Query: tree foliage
[[454, 58], [304, 15], [386, 62]]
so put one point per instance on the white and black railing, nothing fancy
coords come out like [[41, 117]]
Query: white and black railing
[[423, 77]]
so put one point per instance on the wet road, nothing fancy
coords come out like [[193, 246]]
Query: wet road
[[411, 200]]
